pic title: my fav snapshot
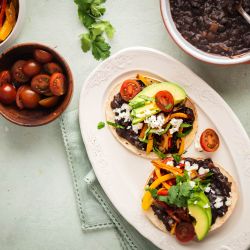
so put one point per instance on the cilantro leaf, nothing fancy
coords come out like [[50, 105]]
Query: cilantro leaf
[[180, 135], [177, 158], [98, 28], [86, 19], [115, 125], [101, 125], [97, 10], [100, 49], [85, 42]]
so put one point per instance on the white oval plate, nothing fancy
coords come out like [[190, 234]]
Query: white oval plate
[[123, 174]]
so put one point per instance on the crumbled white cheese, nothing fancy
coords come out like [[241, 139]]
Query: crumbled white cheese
[[202, 171], [170, 221], [228, 201], [182, 162], [176, 123], [197, 144], [123, 112], [155, 121], [206, 206], [189, 167], [207, 189], [212, 191], [129, 127], [170, 163], [192, 184], [137, 127], [218, 202], [195, 202], [178, 167]]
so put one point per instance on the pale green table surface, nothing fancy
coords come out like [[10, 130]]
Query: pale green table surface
[[37, 203]]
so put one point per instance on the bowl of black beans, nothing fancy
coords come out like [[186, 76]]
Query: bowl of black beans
[[212, 31]]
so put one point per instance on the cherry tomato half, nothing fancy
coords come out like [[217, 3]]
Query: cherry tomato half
[[5, 77], [7, 93], [17, 72], [40, 84], [164, 100], [209, 140], [162, 192], [31, 68], [52, 67], [49, 101], [42, 56], [27, 98], [129, 89], [184, 231], [57, 84]]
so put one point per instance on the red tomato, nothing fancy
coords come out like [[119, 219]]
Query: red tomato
[[163, 192], [184, 231], [42, 56], [209, 140], [40, 84], [7, 93], [17, 72], [171, 182], [52, 67], [129, 89], [31, 68], [5, 77], [57, 84], [49, 101], [29, 98], [164, 100]]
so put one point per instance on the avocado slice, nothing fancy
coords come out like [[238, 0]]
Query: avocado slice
[[202, 201], [201, 226], [143, 107], [150, 91]]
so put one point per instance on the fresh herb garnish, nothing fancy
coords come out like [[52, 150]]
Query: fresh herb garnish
[[144, 139], [153, 192], [100, 125], [177, 158], [185, 125], [89, 12], [159, 153], [115, 125], [180, 135]]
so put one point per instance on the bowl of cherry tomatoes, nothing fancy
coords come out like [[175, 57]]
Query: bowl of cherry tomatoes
[[36, 84]]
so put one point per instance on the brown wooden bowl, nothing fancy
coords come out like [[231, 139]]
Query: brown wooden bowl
[[39, 116]]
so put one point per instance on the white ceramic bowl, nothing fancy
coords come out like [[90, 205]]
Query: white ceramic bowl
[[17, 28], [192, 50]]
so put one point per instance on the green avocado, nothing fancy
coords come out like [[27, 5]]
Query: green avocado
[[150, 91], [143, 104], [201, 226], [202, 201]]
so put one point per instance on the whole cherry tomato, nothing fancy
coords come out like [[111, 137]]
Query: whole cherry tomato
[[52, 67], [58, 84], [42, 56], [27, 98], [7, 93], [31, 68]]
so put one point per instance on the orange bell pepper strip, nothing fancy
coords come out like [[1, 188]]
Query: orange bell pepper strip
[[182, 146], [158, 174], [147, 199], [160, 164], [172, 231], [150, 144], [143, 131], [179, 115]]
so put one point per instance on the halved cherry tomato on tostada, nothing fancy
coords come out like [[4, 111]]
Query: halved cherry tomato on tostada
[[129, 89], [184, 231], [209, 140], [164, 100]]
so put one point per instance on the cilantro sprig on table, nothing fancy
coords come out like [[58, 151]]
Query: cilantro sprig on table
[[90, 13]]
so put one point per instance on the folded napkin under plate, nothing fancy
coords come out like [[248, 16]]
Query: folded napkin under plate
[[95, 209]]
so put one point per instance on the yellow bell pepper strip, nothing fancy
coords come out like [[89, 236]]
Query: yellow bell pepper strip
[[143, 131], [2, 13], [147, 199], [150, 144], [173, 228], [158, 174], [174, 170], [179, 115], [164, 142], [146, 80], [182, 146]]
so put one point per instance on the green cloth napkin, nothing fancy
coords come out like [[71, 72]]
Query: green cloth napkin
[[95, 209]]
